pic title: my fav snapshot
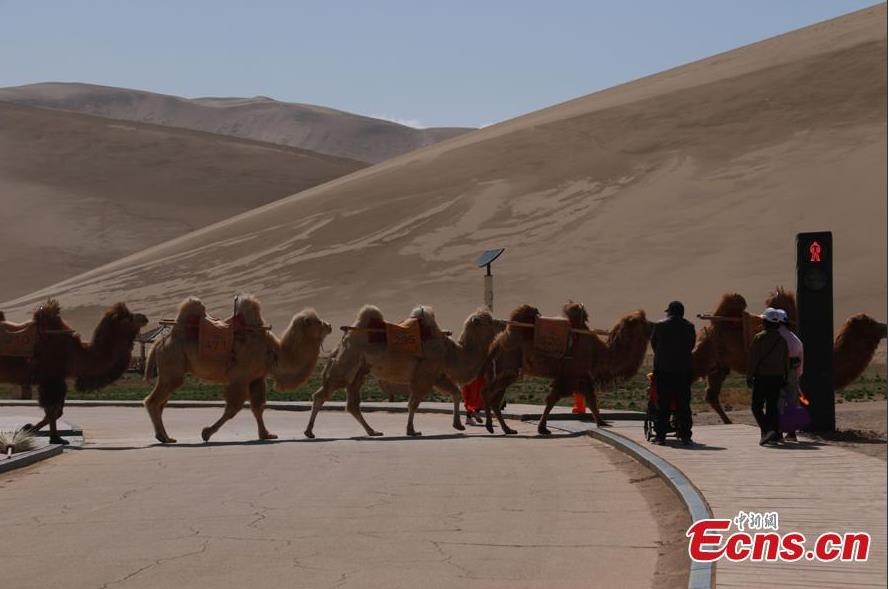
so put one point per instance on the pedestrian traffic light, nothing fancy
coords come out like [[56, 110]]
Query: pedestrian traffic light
[[814, 279]]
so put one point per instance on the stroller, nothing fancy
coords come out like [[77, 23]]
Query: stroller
[[651, 413]]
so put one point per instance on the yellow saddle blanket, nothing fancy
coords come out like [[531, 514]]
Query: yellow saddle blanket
[[551, 335], [18, 340], [216, 339]]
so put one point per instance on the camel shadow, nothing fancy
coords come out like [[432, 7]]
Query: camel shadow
[[798, 446], [695, 447]]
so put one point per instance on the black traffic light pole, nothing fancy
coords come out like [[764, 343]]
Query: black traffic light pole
[[814, 291]]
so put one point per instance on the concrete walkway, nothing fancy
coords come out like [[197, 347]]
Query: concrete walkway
[[814, 487], [445, 510]]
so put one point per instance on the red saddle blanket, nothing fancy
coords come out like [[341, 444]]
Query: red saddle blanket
[[18, 340]]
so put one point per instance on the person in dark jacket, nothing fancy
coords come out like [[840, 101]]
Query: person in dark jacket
[[767, 371], [672, 341]]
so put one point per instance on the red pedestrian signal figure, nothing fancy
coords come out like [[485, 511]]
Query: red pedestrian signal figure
[[815, 252]]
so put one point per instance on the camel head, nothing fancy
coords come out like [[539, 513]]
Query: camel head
[[299, 350], [576, 314], [308, 327], [107, 356], [854, 348], [863, 327], [627, 344], [479, 330], [119, 325]]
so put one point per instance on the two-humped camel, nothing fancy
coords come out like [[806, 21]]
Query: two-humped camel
[[444, 363], [255, 354]]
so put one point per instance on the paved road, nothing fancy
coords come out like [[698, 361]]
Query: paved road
[[441, 511]]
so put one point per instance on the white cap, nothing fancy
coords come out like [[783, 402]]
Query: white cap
[[782, 316], [772, 315]]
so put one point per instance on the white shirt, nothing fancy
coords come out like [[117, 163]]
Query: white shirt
[[794, 346]]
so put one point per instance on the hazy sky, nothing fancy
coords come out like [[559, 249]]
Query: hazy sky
[[425, 63]]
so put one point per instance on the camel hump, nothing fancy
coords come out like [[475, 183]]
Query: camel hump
[[425, 316], [369, 316], [731, 305], [191, 310], [576, 314], [248, 309]]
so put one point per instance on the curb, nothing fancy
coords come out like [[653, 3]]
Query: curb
[[702, 574], [30, 457]]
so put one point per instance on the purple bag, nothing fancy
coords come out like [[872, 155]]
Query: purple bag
[[793, 418]]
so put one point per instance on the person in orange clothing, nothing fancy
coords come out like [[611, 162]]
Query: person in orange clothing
[[579, 404], [472, 400]]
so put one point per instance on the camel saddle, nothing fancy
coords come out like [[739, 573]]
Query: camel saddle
[[216, 339], [551, 336], [404, 338], [18, 340]]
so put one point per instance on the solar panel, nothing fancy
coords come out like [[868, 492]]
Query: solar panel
[[488, 257]]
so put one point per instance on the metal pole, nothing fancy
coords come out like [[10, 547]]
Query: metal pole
[[489, 290]]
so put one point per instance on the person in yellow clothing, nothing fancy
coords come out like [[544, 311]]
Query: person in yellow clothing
[[767, 373]]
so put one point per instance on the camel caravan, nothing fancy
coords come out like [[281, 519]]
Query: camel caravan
[[242, 354]]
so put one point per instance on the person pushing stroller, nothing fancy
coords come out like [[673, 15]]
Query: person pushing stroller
[[672, 341]]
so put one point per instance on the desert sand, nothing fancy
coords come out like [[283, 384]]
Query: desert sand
[[81, 191], [316, 128], [686, 184]]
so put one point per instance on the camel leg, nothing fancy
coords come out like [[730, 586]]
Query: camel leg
[[445, 384], [551, 400], [413, 402], [235, 395], [321, 396], [715, 378], [419, 390], [589, 393], [494, 400], [30, 427], [54, 437], [164, 387], [592, 402], [353, 403], [257, 406]]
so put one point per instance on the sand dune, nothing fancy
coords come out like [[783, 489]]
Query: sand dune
[[80, 191], [315, 128], [683, 185]]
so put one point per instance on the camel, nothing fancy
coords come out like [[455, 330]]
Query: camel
[[444, 364], [721, 345], [590, 364], [60, 354], [255, 354]]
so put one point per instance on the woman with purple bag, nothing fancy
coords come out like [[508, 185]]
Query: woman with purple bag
[[791, 416]]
